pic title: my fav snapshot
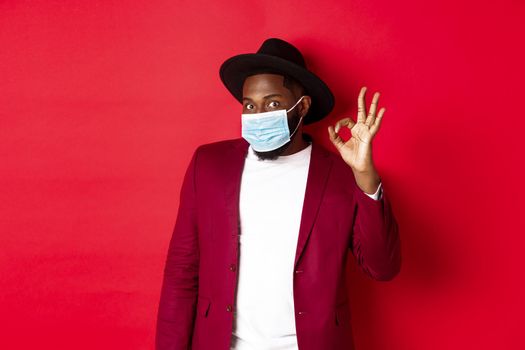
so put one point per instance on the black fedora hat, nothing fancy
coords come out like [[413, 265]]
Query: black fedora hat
[[279, 57]]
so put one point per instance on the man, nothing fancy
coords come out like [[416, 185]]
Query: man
[[258, 253]]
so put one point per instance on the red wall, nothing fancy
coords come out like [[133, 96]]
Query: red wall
[[103, 102]]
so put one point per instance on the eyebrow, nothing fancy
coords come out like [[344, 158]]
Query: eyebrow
[[265, 97]]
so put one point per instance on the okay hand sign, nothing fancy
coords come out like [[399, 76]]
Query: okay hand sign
[[357, 150]]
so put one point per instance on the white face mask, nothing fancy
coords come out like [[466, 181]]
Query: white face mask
[[267, 131]]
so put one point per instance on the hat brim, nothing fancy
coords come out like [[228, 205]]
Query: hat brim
[[235, 69]]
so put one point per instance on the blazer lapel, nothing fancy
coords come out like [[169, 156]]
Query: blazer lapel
[[320, 165], [318, 171], [232, 184]]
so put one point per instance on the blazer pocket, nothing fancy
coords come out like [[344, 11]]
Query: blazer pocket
[[342, 314], [203, 305]]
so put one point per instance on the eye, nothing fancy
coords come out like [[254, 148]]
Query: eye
[[248, 106], [273, 104]]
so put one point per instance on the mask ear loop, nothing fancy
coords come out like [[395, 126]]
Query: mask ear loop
[[296, 127], [299, 119], [299, 100]]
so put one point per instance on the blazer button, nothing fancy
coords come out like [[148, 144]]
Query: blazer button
[[301, 312], [298, 271], [232, 267], [229, 308]]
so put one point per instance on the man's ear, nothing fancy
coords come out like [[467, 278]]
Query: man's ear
[[305, 105]]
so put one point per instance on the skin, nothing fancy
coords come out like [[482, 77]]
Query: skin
[[266, 92]]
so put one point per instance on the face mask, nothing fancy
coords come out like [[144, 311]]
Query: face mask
[[268, 130]]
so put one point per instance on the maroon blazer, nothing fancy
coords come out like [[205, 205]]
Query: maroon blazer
[[200, 276]]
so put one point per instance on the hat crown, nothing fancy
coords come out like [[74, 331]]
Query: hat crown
[[279, 57], [282, 49]]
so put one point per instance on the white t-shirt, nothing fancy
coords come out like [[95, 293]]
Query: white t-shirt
[[270, 207]]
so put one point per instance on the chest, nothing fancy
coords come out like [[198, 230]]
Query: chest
[[272, 188]]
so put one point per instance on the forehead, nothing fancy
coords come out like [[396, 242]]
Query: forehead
[[263, 84]]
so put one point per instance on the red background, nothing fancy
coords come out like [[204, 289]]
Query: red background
[[103, 102]]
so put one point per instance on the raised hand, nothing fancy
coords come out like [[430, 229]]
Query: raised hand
[[357, 150]]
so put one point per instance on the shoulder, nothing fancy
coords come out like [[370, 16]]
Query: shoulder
[[221, 145], [220, 151]]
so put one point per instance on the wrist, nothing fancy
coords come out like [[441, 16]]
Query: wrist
[[368, 181]]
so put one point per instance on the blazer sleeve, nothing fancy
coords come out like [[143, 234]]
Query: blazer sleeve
[[178, 299], [375, 242]]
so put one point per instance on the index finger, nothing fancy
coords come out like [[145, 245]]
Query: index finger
[[344, 122]]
